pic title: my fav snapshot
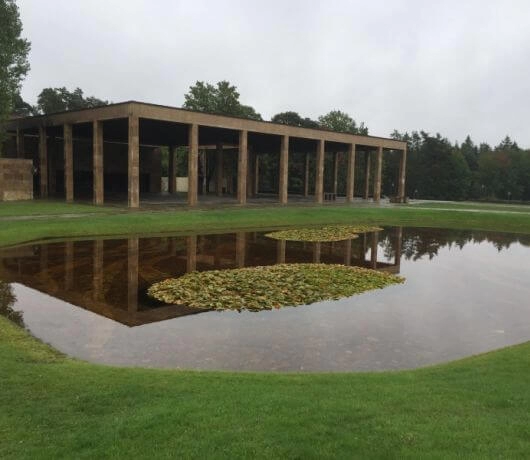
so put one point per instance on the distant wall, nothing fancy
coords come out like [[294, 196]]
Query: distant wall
[[16, 179]]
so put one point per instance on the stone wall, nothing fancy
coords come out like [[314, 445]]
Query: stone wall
[[16, 179]]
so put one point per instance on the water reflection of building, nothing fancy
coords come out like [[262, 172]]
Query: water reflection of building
[[110, 277]]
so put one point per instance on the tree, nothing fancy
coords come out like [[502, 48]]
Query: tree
[[222, 99], [51, 100], [294, 119], [21, 108], [14, 63], [337, 120]]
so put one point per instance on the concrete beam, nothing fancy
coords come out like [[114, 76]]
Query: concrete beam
[[193, 164], [242, 164], [350, 173], [319, 176], [97, 164], [284, 170], [133, 170], [68, 146]]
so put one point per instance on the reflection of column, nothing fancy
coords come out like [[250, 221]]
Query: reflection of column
[[191, 253], [97, 275], [69, 265], [44, 257], [364, 247], [375, 241], [399, 241], [317, 248], [367, 156], [241, 244], [280, 251], [306, 176], [319, 179], [350, 173], [347, 252], [132, 275]]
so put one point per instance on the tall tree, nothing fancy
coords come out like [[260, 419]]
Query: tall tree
[[294, 119], [337, 120], [14, 63], [222, 99], [52, 100]]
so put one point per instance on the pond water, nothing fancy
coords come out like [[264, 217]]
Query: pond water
[[465, 293]]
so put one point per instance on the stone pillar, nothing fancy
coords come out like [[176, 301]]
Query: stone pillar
[[256, 174], [43, 162], [133, 169], [373, 252], [219, 169], [280, 251], [97, 163], [284, 170], [306, 176], [335, 172], [68, 163], [367, 174], [171, 170], [402, 174], [241, 246], [193, 164], [242, 160], [20, 143], [132, 274], [350, 174], [319, 177], [377, 178], [191, 253]]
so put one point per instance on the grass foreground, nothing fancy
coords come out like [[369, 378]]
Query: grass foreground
[[52, 406]]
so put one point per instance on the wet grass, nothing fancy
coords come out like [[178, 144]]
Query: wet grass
[[266, 217], [55, 407]]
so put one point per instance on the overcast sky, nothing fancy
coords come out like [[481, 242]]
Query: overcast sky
[[454, 67]]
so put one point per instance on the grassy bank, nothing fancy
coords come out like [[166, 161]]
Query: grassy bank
[[53, 407], [143, 222]]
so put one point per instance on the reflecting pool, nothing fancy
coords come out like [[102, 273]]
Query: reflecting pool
[[465, 293]]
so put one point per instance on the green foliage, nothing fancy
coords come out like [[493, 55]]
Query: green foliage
[[328, 233], [337, 120], [14, 63], [294, 119], [51, 100], [222, 99], [7, 300], [265, 288]]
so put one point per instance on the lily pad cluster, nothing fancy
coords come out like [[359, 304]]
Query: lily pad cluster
[[268, 287], [328, 233]]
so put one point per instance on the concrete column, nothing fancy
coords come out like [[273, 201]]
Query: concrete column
[[20, 143], [284, 170], [335, 172], [193, 164], [350, 174], [97, 164], [171, 170], [219, 169], [367, 174], [306, 176], [280, 251], [133, 169], [242, 164], [402, 174], [68, 163], [132, 274], [43, 162], [241, 249], [256, 174], [319, 177], [191, 253], [378, 170]]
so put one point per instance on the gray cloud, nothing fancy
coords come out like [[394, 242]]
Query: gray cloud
[[454, 67]]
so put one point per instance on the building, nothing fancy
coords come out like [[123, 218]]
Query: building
[[114, 151]]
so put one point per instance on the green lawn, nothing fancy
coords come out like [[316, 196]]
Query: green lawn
[[49, 207], [56, 407], [473, 205]]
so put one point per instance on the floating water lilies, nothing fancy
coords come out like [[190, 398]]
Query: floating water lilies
[[328, 233], [265, 288]]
